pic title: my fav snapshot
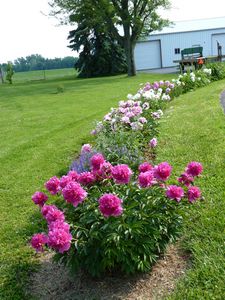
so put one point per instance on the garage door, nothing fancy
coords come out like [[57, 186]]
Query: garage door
[[221, 39], [148, 55]]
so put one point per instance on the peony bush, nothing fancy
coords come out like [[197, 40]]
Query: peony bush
[[120, 219]]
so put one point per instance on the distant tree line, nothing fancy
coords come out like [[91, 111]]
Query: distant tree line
[[38, 62]]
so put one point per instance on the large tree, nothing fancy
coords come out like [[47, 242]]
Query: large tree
[[99, 52], [127, 20]]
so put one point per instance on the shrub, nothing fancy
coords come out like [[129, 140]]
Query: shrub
[[122, 220], [217, 70]]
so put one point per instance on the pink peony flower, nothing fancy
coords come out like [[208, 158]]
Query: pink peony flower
[[193, 193], [194, 168], [52, 185], [145, 167], [185, 179], [59, 239], [162, 171], [146, 179], [64, 180], [74, 193], [39, 198], [86, 178], [142, 120], [58, 224], [38, 241], [153, 142], [175, 192], [86, 148], [96, 161], [74, 175], [51, 213], [110, 205], [105, 171], [121, 174]]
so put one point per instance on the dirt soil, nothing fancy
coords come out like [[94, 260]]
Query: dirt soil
[[53, 281]]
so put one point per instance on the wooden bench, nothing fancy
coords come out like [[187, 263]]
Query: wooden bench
[[191, 57]]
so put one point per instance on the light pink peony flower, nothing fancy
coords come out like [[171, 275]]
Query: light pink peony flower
[[193, 193], [185, 179], [144, 167], [121, 174], [153, 143], [146, 179], [52, 185], [175, 192], [59, 239], [51, 213], [39, 198], [110, 205], [162, 171], [74, 193], [142, 120], [194, 168], [96, 161], [86, 148], [86, 178], [38, 241]]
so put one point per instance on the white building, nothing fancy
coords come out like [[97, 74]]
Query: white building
[[161, 48]]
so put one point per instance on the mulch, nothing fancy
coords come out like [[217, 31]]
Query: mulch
[[52, 281]]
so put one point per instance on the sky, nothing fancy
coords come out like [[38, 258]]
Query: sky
[[26, 28]]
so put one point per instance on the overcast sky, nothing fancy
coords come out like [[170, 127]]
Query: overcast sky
[[25, 30]]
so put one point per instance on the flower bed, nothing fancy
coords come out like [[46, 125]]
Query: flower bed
[[117, 210]]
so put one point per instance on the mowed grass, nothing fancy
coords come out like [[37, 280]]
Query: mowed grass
[[193, 129], [41, 132], [42, 75]]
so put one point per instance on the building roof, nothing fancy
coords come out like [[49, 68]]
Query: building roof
[[193, 25]]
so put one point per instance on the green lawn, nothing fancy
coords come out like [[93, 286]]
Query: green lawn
[[41, 131], [193, 129], [44, 75]]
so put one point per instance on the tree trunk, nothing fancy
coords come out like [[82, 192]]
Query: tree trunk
[[129, 50]]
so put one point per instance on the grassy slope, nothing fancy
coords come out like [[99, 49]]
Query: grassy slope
[[40, 133], [193, 129]]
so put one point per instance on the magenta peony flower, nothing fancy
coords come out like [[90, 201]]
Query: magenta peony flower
[[74, 193], [96, 161], [73, 175], [64, 180], [142, 120], [39, 198], [144, 167], [162, 171], [86, 148], [153, 143], [51, 213], [193, 193], [194, 168], [86, 178], [175, 192], [110, 205], [52, 185], [59, 239], [146, 179], [105, 171], [121, 174], [38, 241], [185, 179], [58, 224]]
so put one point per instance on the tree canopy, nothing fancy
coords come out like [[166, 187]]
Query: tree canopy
[[125, 20]]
